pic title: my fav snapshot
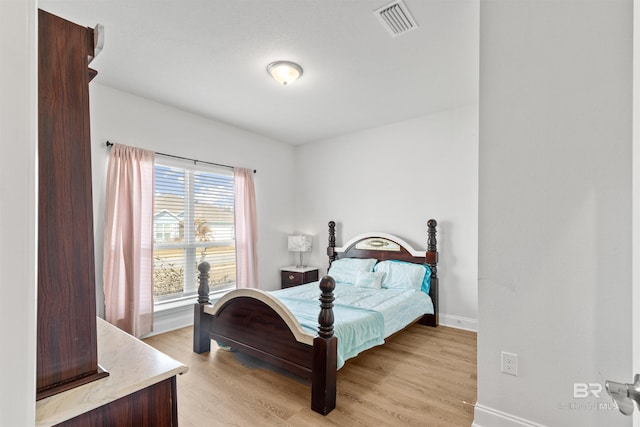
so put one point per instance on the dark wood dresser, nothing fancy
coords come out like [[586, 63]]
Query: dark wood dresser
[[88, 373]]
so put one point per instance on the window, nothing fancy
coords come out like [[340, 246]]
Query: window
[[192, 223]]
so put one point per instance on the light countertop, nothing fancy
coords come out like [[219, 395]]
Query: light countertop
[[132, 366]]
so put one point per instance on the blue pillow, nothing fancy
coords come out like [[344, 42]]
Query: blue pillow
[[345, 270], [369, 279], [405, 275], [426, 282]]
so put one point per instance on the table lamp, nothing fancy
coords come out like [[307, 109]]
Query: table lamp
[[301, 244]]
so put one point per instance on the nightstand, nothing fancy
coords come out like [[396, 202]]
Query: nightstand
[[294, 276]]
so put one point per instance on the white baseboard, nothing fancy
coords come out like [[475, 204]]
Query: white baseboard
[[169, 320], [458, 322], [489, 417]]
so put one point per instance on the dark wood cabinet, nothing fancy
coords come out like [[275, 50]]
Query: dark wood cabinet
[[141, 387], [294, 276], [147, 407], [66, 323]]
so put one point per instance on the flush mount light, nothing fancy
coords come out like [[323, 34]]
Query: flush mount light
[[284, 72]]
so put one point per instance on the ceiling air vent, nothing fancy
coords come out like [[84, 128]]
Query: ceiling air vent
[[395, 17]]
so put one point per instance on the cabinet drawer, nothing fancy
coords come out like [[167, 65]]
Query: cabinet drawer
[[294, 278]]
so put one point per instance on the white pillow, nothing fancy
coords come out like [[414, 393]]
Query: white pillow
[[401, 275], [370, 279], [345, 269]]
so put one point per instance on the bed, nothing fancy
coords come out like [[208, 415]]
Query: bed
[[279, 328]]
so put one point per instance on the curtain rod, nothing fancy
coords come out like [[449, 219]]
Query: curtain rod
[[109, 144]]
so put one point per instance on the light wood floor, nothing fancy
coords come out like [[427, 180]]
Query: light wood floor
[[422, 376]]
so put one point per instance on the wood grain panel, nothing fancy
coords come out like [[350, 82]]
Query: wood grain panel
[[67, 348], [250, 325], [150, 407]]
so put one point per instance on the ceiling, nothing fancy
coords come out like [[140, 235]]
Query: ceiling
[[209, 57]]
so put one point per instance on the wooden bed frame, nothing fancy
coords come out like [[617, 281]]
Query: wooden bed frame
[[256, 323]]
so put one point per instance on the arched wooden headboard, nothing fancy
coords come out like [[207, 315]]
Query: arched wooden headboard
[[384, 246]]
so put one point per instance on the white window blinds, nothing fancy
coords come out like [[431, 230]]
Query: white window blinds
[[193, 222]]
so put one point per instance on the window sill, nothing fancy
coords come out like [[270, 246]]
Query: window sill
[[165, 306], [174, 303]]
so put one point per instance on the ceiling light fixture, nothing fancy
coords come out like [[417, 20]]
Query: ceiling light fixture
[[284, 72]]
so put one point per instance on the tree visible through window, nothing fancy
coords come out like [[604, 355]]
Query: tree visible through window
[[193, 222]]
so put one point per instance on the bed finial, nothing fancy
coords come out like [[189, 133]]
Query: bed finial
[[331, 252], [203, 278], [432, 243], [432, 248], [325, 318]]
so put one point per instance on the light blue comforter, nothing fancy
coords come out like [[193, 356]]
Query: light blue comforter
[[364, 317], [357, 329]]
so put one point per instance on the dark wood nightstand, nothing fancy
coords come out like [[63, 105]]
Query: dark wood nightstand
[[294, 276]]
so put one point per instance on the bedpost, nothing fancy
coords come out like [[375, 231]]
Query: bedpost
[[201, 340], [331, 252], [203, 279], [325, 351], [431, 259]]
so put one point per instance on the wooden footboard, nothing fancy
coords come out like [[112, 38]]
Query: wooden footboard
[[256, 323]]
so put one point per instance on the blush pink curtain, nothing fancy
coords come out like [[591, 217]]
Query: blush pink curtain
[[128, 240], [246, 229]]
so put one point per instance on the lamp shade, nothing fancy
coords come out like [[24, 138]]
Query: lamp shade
[[299, 243]]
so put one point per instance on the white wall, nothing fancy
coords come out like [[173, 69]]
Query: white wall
[[555, 208], [393, 179], [635, 251], [130, 120], [18, 207]]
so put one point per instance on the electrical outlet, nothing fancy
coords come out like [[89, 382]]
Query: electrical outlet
[[509, 363]]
